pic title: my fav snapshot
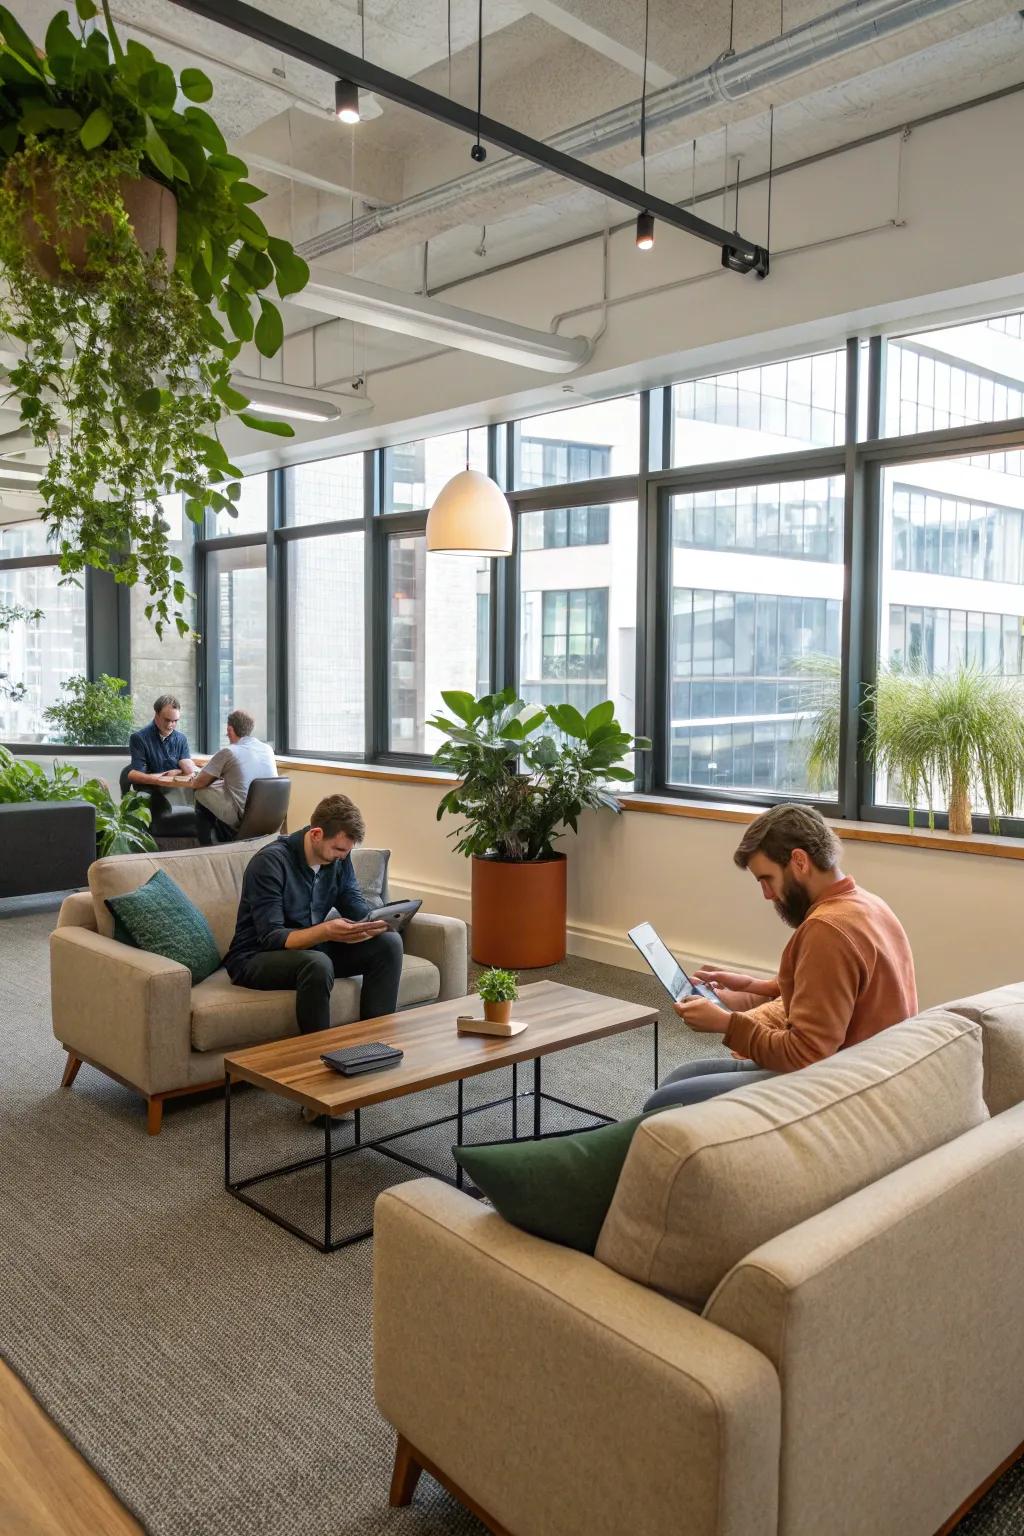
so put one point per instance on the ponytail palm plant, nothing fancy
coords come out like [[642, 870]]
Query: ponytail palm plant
[[940, 737]]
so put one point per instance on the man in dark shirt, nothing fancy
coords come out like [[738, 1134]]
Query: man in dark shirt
[[285, 935], [160, 750]]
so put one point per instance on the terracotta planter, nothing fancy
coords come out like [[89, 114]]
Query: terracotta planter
[[151, 208], [498, 1013], [518, 919]]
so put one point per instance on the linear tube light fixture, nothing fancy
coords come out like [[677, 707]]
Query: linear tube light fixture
[[411, 314], [296, 407]]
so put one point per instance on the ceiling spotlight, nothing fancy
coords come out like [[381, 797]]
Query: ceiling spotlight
[[645, 231], [346, 101]]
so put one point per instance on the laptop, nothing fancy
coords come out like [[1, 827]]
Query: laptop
[[667, 968]]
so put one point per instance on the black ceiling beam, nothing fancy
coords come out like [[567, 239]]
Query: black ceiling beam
[[738, 254]]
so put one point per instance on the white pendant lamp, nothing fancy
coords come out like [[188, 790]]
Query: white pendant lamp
[[470, 517]]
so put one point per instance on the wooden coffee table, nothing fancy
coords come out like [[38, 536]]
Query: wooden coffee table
[[558, 1017]]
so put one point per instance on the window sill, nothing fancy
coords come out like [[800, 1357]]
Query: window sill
[[982, 843]]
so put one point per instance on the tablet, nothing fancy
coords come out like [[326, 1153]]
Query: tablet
[[396, 914], [667, 968]]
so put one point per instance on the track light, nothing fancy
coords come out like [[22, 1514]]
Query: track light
[[645, 231], [346, 101]]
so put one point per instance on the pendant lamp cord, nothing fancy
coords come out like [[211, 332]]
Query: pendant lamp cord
[[449, 50], [771, 166], [362, 27], [479, 67], [643, 97]]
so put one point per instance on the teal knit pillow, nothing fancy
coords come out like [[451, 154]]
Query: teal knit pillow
[[159, 917]]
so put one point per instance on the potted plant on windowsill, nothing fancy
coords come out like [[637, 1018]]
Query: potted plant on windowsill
[[133, 269], [940, 737], [521, 789]]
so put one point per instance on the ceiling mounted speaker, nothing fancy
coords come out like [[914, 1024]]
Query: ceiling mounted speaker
[[470, 517]]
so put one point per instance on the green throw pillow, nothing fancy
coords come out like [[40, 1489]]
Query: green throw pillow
[[159, 917], [558, 1187]]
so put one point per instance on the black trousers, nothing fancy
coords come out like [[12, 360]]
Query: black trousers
[[211, 830], [311, 973]]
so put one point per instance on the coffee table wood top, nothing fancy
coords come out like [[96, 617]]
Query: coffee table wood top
[[435, 1052]]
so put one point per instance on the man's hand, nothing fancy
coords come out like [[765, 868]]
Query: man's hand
[[170, 777], [736, 981], [339, 930], [707, 1018], [738, 991]]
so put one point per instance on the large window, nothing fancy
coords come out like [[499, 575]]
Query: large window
[[167, 663], [326, 640], [577, 607], [414, 473], [751, 412], [756, 606], [439, 636], [586, 442], [329, 491], [36, 657], [236, 636], [250, 511]]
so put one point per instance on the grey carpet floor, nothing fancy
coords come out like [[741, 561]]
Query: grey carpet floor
[[213, 1369]]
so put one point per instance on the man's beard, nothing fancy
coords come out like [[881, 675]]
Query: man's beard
[[795, 903]]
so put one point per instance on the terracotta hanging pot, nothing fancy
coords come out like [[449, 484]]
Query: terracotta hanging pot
[[518, 917], [152, 211]]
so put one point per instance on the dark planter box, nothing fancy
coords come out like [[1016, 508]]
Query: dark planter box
[[46, 846]]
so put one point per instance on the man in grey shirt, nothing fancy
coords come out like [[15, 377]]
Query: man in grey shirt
[[222, 786]]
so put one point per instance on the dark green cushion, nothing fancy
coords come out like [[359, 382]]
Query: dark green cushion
[[557, 1187], [159, 917]]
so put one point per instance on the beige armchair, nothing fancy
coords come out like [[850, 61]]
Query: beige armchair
[[137, 1017]]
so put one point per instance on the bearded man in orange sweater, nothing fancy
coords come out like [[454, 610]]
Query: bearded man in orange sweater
[[846, 973]]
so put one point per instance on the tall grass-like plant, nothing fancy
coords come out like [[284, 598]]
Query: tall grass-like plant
[[942, 738], [941, 735]]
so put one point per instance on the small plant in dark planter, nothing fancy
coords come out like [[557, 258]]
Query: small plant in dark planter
[[498, 990]]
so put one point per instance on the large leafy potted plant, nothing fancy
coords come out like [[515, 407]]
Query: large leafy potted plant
[[133, 268], [121, 826], [93, 714], [520, 789], [942, 738]]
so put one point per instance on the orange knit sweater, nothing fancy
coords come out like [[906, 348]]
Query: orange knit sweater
[[846, 974]]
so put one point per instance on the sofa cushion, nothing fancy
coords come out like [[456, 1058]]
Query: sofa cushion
[[227, 1018], [1000, 1014], [371, 870], [210, 877], [704, 1185], [160, 919]]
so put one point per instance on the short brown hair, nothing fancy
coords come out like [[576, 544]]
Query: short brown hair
[[337, 814], [165, 701], [241, 722], [784, 828]]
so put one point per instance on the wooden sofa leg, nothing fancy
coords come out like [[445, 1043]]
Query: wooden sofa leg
[[71, 1067], [154, 1115], [405, 1476]]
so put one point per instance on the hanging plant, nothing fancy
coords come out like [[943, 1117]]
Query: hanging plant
[[134, 268]]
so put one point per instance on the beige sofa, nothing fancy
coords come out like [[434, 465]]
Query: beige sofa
[[804, 1316], [137, 1017]]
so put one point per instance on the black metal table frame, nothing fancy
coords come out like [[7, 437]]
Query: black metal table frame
[[330, 1154]]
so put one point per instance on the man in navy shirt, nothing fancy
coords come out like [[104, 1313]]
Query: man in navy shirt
[[289, 934], [160, 750]]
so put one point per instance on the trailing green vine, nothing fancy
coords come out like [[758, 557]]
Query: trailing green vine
[[124, 362]]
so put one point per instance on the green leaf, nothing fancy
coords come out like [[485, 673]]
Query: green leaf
[[260, 424], [642, 743], [201, 282], [292, 271], [207, 132], [158, 88], [600, 715], [568, 719], [245, 192], [195, 85], [621, 775], [231, 165], [148, 402], [86, 10], [19, 42], [254, 231], [462, 704], [60, 41], [232, 398], [157, 150], [95, 128], [269, 329], [239, 315]]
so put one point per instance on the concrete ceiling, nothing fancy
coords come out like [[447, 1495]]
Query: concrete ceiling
[[548, 66]]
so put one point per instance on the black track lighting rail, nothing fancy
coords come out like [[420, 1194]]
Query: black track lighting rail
[[738, 254]]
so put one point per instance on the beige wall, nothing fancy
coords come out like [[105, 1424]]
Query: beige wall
[[962, 912]]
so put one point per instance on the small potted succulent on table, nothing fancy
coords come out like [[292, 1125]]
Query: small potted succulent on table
[[498, 991]]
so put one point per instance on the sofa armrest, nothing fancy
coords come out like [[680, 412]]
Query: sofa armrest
[[77, 911], [121, 1008], [557, 1394], [444, 941]]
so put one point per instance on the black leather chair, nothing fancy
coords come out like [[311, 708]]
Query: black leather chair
[[173, 811], [266, 806]]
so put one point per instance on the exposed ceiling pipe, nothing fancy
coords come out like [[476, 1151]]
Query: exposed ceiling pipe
[[727, 80], [411, 314]]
